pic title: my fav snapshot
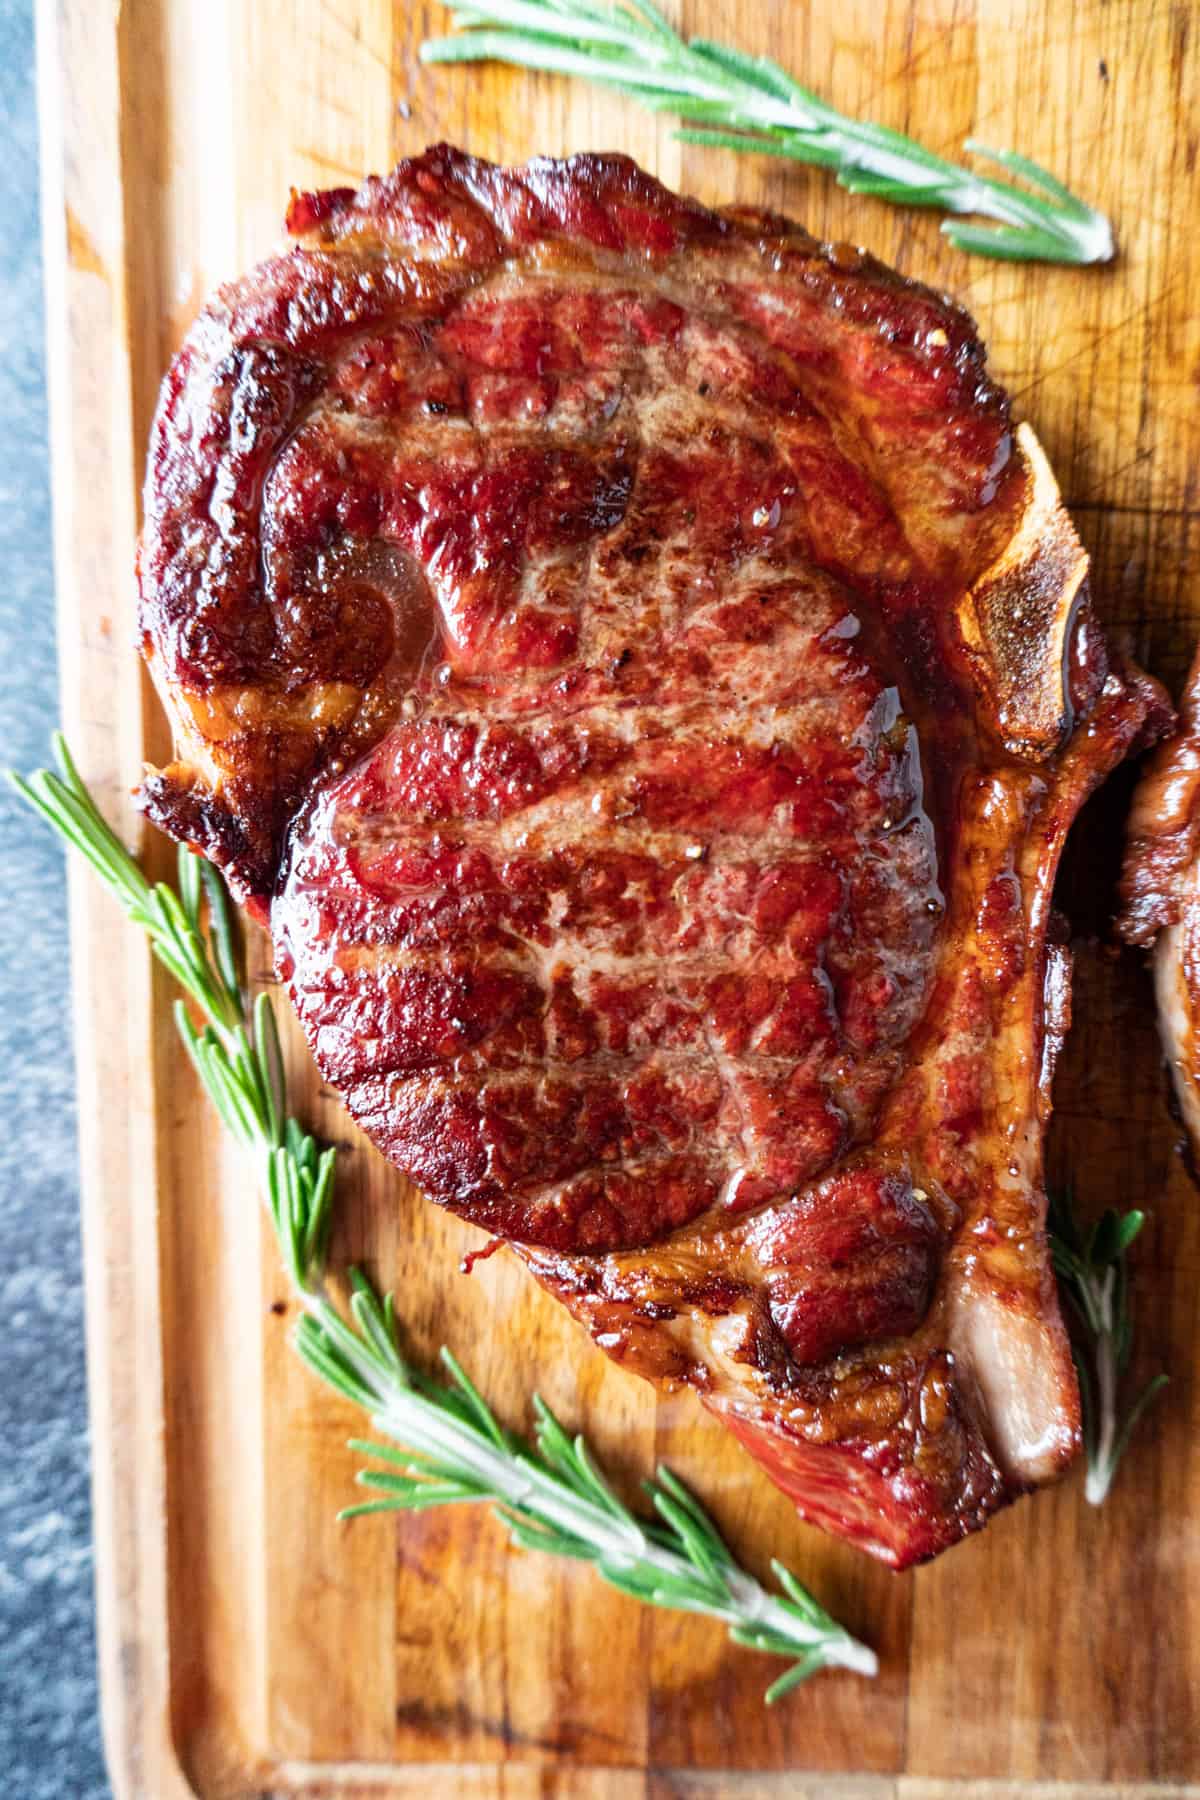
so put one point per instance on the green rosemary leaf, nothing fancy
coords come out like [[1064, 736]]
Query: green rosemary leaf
[[753, 1637], [824, 156], [885, 187], [552, 1440], [365, 1507], [1127, 1229], [325, 1360], [634, 50], [213, 1073], [296, 1223], [399, 1484], [669, 1485], [529, 1536], [693, 1540], [1087, 1402], [393, 1453], [276, 1180], [901, 154], [269, 1055], [480, 1411], [225, 942], [1007, 243], [658, 20], [1033, 173], [1145, 1399], [592, 1484], [372, 1327], [799, 1596], [762, 73], [807, 1665], [417, 1495], [190, 888], [320, 1208]]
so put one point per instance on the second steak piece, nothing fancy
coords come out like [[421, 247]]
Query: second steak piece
[[631, 654], [1161, 893]]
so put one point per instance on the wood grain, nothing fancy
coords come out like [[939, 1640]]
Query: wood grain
[[249, 1643]]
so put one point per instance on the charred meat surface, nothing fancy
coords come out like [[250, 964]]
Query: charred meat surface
[[633, 661], [1161, 895]]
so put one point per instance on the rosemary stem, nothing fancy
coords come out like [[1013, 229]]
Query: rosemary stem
[[409, 1419], [756, 1603], [1101, 1466]]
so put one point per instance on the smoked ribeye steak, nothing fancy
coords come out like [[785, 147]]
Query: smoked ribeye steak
[[630, 656], [1161, 893]]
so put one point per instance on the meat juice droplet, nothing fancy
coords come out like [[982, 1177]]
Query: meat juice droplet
[[477, 1256], [996, 468]]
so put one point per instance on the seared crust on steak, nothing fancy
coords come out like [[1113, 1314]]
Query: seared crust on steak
[[648, 681], [1160, 890]]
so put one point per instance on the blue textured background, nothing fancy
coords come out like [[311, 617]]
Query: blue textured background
[[49, 1735]]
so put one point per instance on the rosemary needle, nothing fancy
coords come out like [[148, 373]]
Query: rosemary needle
[[548, 1492], [741, 102]]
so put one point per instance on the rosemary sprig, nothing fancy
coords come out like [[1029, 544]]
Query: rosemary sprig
[[1092, 1273], [550, 1493], [236, 1050], [741, 102]]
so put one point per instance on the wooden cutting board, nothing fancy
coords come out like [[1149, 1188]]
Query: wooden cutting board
[[249, 1643]]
